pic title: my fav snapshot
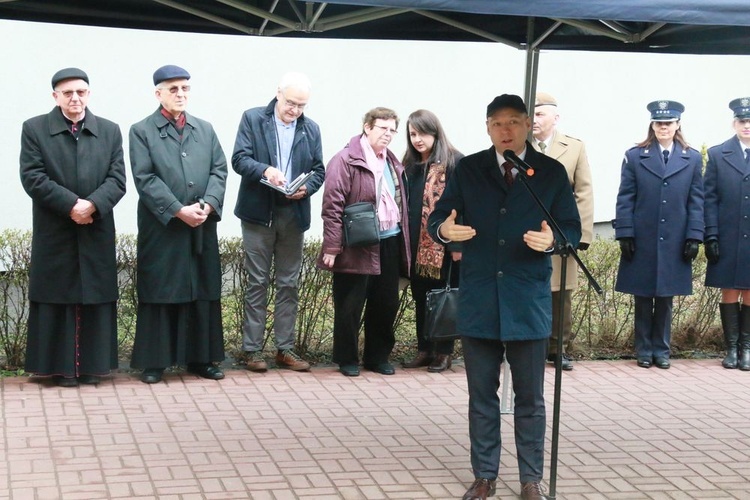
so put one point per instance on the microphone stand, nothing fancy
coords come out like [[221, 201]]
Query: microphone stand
[[563, 248]]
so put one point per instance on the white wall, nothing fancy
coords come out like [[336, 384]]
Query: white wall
[[602, 96]]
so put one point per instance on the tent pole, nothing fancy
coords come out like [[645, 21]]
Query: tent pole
[[532, 69], [532, 72]]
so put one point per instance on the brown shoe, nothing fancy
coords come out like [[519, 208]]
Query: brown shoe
[[480, 489], [423, 358], [532, 491], [256, 362], [441, 363], [290, 359]]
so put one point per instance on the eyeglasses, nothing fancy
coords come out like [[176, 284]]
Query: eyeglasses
[[293, 105], [176, 88], [385, 130], [68, 94]]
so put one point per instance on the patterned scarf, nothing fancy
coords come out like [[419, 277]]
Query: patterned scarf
[[178, 124], [430, 254]]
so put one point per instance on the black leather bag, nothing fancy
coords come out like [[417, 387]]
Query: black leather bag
[[441, 313], [361, 225]]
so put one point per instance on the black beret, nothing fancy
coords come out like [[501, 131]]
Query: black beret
[[169, 72], [665, 111], [68, 74], [506, 101], [741, 107]]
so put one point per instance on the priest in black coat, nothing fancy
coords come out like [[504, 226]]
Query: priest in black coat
[[72, 167]]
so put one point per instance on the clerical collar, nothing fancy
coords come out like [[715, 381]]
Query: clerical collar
[[74, 127]]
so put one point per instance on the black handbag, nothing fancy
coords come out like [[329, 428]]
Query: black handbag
[[441, 312], [361, 225], [360, 221]]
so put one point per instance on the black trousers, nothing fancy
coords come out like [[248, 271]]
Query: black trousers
[[653, 326], [419, 288], [482, 358], [379, 297]]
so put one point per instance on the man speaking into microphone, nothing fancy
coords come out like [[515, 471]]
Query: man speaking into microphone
[[505, 304]]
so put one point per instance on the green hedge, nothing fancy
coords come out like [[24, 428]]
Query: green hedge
[[603, 325]]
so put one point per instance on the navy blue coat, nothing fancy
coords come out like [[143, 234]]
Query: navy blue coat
[[255, 151], [505, 285], [727, 184], [660, 207]]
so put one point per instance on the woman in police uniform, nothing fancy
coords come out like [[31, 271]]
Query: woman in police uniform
[[727, 226], [659, 226]]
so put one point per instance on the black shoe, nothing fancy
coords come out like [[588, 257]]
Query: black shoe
[[349, 370], [662, 363], [206, 370], [152, 375], [67, 382], [644, 362], [382, 368], [480, 489], [89, 379], [567, 361]]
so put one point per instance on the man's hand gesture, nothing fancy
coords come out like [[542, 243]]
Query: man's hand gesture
[[450, 231]]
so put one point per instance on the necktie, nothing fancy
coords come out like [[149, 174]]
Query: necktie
[[666, 156], [508, 174], [543, 148], [747, 156]]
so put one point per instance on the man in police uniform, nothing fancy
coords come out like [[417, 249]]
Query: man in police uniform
[[571, 153]]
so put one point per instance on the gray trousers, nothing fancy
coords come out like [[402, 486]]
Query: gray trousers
[[482, 359], [282, 243]]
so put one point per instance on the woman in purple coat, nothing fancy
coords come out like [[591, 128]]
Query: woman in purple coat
[[659, 226], [727, 227], [366, 278]]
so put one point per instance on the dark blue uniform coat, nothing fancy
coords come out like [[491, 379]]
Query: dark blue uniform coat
[[505, 285], [727, 184], [660, 207]]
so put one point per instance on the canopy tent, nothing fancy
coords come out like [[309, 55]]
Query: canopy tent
[[670, 26], [667, 26]]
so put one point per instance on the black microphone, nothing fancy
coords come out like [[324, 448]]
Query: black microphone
[[510, 156]]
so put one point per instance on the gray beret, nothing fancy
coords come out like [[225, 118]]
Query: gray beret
[[68, 74], [169, 72], [506, 101]]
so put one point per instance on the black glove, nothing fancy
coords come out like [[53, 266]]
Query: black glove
[[627, 247], [583, 246], [712, 251], [690, 251]]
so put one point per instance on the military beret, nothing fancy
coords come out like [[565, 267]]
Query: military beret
[[543, 98], [170, 72], [69, 74], [506, 101], [741, 107], [665, 111]]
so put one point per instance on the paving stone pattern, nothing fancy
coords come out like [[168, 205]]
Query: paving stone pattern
[[626, 433]]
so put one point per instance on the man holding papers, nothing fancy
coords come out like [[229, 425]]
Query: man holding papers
[[275, 145]]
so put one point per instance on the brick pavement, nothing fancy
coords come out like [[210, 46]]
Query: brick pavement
[[626, 433]]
